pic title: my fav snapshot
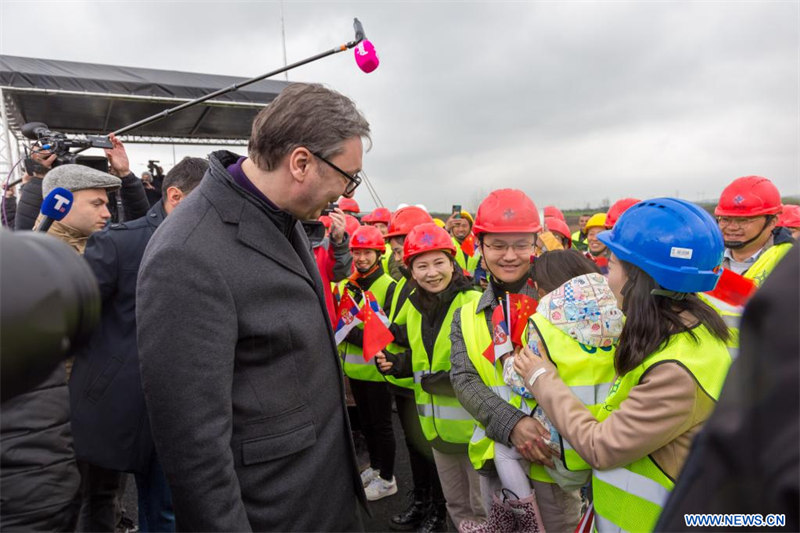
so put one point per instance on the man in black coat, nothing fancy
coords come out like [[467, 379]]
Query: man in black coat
[[239, 366], [109, 420]]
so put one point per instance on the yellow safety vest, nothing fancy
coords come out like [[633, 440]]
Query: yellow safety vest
[[630, 498], [399, 315], [477, 338], [466, 262], [578, 244], [385, 259], [758, 272], [587, 370], [767, 262], [353, 356], [440, 416]]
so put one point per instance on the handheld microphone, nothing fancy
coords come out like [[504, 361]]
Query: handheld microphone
[[55, 207], [366, 56]]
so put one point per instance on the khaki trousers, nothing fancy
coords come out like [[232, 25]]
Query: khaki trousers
[[560, 509], [461, 487]]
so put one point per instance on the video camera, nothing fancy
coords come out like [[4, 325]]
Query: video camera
[[329, 208], [50, 304], [155, 170], [60, 144]]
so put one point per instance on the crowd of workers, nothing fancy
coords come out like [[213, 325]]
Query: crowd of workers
[[544, 378]]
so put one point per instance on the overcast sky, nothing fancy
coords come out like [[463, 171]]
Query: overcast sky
[[573, 102]]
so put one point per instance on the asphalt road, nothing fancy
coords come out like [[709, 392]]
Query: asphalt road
[[382, 510]]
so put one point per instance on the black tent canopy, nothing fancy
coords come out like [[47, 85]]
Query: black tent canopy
[[73, 97]]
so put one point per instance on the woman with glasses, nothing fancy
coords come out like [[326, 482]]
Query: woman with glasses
[[440, 287], [671, 362]]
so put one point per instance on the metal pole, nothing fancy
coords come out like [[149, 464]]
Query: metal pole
[[283, 41]]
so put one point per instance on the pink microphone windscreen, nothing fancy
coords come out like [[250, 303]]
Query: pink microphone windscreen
[[366, 56]]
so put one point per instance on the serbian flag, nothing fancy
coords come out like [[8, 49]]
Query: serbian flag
[[348, 317], [522, 307], [501, 339], [468, 245], [376, 331], [733, 288]]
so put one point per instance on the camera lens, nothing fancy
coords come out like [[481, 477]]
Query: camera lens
[[50, 303]]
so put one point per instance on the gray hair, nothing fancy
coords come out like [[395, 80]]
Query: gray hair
[[304, 115]]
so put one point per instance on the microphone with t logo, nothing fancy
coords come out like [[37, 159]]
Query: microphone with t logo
[[55, 206], [366, 56]]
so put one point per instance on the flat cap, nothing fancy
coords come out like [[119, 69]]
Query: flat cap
[[77, 178]]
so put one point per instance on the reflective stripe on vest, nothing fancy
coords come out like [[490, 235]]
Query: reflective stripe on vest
[[631, 498], [476, 336], [767, 262], [398, 316], [587, 370], [731, 315], [440, 416], [353, 362], [466, 262]]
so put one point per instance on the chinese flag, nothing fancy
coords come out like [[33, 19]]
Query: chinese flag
[[733, 288], [376, 335], [522, 307], [468, 246]]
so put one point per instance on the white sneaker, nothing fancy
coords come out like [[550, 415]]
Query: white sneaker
[[368, 475], [380, 488]]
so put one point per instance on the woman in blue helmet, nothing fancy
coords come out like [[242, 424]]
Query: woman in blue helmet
[[671, 362]]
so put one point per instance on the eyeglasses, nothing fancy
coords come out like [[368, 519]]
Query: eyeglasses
[[352, 181], [741, 222], [519, 248]]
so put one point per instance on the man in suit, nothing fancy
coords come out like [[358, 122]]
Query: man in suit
[[241, 377]]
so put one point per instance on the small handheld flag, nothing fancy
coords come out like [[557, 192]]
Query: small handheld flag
[[376, 331], [348, 317]]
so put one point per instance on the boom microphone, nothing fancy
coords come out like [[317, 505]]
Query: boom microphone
[[55, 207], [366, 56]]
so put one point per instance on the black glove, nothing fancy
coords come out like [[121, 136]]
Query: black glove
[[438, 383]]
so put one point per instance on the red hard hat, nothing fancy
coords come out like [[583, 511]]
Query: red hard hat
[[617, 209], [750, 196], [790, 217], [426, 238], [351, 224], [326, 221], [507, 211], [380, 214], [367, 238], [556, 225], [404, 220], [554, 212], [348, 205]]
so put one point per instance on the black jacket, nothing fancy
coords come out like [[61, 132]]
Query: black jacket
[[9, 211], [133, 199], [38, 473], [109, 419], [30, 201]]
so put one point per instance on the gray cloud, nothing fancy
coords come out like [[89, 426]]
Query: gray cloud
[[572, 102]]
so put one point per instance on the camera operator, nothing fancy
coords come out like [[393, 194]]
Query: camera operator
[[134, 200], [9, 207], [30, 197], [153, 193]]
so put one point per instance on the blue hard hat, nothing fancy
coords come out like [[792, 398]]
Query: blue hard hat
[[676, 242]]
